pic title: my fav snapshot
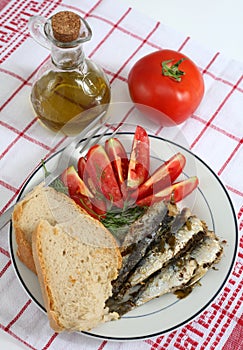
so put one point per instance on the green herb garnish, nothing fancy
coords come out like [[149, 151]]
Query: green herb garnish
[[119, 222], [57, 184]]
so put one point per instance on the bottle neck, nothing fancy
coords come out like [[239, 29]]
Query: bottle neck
[[67, 58]]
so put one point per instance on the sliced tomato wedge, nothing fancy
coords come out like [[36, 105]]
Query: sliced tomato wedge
[[81, 166], [86, 204], [74, 183], [175, 192], [119, 161], [98, 203], [163, 177], [99, 171], [138, 167], [99, 207]]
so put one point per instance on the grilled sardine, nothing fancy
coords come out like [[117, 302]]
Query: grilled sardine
[[170, 246], [178, 275], [169, 223]]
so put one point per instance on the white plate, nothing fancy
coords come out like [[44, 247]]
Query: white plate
[[211, 203]]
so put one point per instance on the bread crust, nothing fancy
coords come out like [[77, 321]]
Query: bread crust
[[42, 272], [30, 252], [24, 247]]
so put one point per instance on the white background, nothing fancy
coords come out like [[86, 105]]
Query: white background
[[215, 24]]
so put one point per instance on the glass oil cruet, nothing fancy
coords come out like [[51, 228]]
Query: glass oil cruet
[[69, 90]]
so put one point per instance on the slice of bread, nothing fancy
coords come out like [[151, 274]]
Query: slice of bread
[[41, 203], [75, 257], [75, 274]]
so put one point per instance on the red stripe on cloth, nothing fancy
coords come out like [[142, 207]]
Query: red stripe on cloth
[[25, 82], [210, 62], [125, 31], [54, 149], [103, 19], [169, 339], [17, 138], [194, 330], [241, 221], [17, 190], [184, 43], [234, 190], [216, 128], [16, 45], [13, 16], [3, 3], [222, 331], [50, 341], [8, 72], [230, 157], [240, 212], [226, 82], [184, 341], [7, 186], [112, 74], [102, 345], [224, 313], [94, 7], [109, 33], [21, 133], [17, 338], [4, 252], [216, 112], [134, 53], [15, 319], [122, 121], [5, 268], [9, 202], [157, 343], [235, 340]]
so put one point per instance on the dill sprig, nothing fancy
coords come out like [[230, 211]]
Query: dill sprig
[[119, 222]]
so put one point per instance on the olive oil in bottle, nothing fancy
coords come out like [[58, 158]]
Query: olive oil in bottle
[[72, 90]]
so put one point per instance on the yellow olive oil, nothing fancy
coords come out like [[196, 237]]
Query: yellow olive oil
[[60, 98]]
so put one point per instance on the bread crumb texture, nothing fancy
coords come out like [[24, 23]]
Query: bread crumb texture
[[78, 276], [75, 257]]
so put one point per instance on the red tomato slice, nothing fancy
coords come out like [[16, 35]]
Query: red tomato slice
[[81, 166], [74, 183], [85, 203], [162, 177], [138, 167], [99, 206], [88, 181], [119, 161], [175, 192], [99, 170]]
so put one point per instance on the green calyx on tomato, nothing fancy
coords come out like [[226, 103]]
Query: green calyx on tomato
[[173, 71]]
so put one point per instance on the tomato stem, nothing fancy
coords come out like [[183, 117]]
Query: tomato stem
[[173, 71]]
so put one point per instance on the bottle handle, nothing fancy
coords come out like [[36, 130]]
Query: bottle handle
[[36, 27]]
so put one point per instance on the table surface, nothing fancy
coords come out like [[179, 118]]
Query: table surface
[[215, 24]]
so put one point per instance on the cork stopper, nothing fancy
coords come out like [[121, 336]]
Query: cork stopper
[[66, 26]]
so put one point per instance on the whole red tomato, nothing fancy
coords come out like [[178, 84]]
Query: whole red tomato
[[170, 83]]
